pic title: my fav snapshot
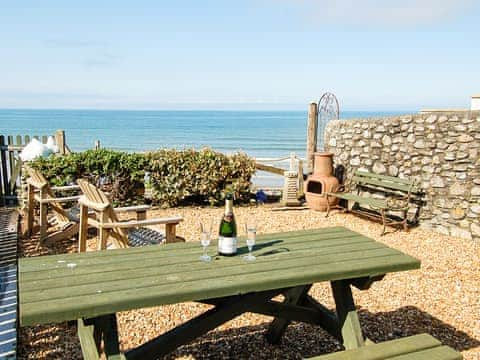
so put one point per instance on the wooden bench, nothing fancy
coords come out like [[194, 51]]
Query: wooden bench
[[417, 347], [397, 194]]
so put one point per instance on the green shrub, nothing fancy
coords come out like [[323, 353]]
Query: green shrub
[[119, 173], [176, 177], [189, 176]]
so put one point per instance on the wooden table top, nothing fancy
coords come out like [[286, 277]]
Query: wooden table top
[[83, 285]]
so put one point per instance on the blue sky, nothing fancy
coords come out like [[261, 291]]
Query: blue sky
[[263, 54]]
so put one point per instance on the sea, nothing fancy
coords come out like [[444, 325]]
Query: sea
[[260, 134]]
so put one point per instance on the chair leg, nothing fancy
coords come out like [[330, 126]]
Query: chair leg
[[170, 232], [30, 209], [328, 207], [43, 221], [384, 224]]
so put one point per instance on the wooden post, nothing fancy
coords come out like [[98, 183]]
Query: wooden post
[[30, 209], [311, 135], [300, 178], [60, 140], [97, 144], [43, 215]]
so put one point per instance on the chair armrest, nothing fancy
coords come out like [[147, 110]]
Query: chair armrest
[[132, 208], [65, 188], [56, 200], [135, 223]]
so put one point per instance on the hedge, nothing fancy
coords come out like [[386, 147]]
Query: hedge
[[175, 176]]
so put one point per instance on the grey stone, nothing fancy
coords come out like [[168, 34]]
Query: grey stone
[[406, 120], [380, 128], [428, 169], [426, 161], [457, 189], [460, 128], [332, 142], [457, 213], [450, 156], [475, 209], [460, 167], [461, 176], [355, 161], [442, 230], [405, 128], [461, 233], [431, 119], [379, 168], [462, 155], [475, 229], [367, 134], [464, 138], [419, 144], [476, 181], [395, 148], [442, 145], [375, 144], [386, 140], [392, 170], [437, 182], [411, 138]]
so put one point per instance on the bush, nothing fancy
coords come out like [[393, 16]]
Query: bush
[[176, 177], [119, 173], [190, 176]]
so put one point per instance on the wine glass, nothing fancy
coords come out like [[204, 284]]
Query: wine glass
[[251, 230], [205, 241]]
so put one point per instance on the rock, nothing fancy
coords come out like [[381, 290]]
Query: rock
[[442, 230], [465, 138], [392, 170], [406, 120], [475, 209], [379, 168], [428, 169], [475, 191], [380, 128], [367, 134], [405, 128], [332, 142], [375, 144], [475, 229], [419, 144], [457, 213], [450, 156], [411, 138], [437, 182], [442, 145], [457, 189], [431, 119], [476, 181], [460, 167], [355, 161], [386, 140], [460, 128], [461, 233], [426, 161]]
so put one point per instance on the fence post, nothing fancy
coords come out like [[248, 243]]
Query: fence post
[[60, 140], [311, 135]]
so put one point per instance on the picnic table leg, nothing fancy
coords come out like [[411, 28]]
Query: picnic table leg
[[278, 326], [91, 333], [225, 310], [347, 315]]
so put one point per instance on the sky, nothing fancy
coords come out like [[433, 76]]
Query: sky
[[259, 54]]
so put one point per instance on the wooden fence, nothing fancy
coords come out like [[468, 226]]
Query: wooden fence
[[11, 165]]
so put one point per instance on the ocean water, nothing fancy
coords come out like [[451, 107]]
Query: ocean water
[[261, 134]]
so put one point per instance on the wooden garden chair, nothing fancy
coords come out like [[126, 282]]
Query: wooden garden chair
[[65, 222], [122, 233]]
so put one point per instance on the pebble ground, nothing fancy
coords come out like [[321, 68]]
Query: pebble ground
[[442, 298]]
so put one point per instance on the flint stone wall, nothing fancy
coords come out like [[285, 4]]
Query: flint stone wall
[[440, 150]]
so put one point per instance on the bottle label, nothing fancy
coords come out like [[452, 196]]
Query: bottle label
[[227, 245]]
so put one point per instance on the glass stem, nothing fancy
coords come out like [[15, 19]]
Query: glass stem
[[204, 251]]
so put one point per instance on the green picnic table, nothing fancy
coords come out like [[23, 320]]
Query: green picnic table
[[92, 287]]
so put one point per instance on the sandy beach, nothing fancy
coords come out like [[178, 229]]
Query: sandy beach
[[442, 298]]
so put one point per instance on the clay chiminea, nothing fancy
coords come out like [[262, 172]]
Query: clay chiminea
[[320, 181]]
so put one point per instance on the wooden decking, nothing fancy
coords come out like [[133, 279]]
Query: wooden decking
[[8, 283]]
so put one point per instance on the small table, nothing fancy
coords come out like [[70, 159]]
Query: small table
[[92, 287]]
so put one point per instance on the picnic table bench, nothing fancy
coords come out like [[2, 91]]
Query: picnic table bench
[[417, 347], [92, 287], [397, 198]]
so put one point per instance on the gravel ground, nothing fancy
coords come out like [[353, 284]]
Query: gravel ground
[[442, 299]]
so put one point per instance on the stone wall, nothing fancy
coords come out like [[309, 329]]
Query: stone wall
[[440, 150]]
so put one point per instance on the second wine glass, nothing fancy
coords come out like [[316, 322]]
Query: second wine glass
[[251, 230]]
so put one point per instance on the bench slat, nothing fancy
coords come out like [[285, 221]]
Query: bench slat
[[394, 349], [388, 185], [377, 203], [383, 177]]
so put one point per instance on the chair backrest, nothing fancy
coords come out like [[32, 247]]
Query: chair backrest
[[97, 200], [38, 181]]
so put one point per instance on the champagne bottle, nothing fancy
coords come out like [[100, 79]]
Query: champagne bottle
[[227, 234]]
